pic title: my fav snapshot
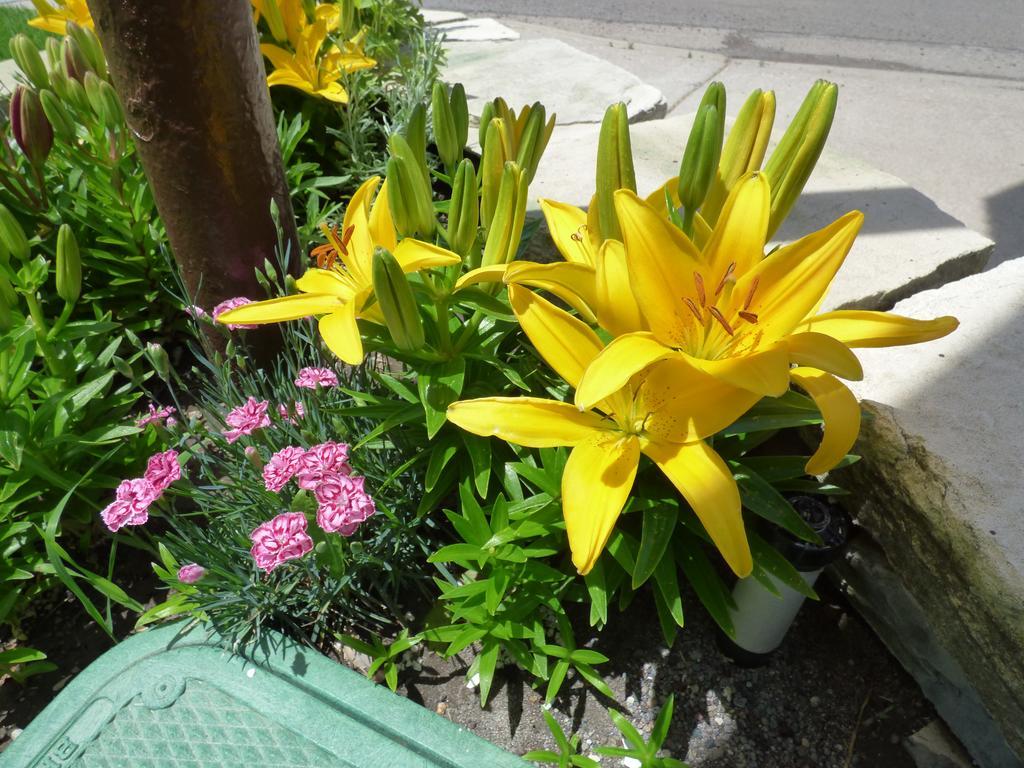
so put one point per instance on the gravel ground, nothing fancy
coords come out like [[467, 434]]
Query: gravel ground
[[832, 696]]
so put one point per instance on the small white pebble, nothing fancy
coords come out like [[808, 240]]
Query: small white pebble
[[250, 673], [15, 733], [631, 762]]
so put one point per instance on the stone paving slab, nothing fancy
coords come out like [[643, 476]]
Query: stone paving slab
[[8, 70], [475, 30], [431, 17], [940, 487], [168, 697], [574, 85], [907, 243]]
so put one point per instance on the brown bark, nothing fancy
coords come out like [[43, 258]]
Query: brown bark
[[192, 81]]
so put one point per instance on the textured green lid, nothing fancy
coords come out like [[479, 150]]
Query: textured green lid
[[168, 698]]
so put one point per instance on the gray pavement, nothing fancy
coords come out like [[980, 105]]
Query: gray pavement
[[938, 104]]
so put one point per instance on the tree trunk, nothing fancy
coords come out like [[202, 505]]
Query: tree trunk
[[191, 78]]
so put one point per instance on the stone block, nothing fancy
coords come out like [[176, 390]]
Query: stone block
[[907, 243], [432, 17], [574, 85], [940, 484], [475, 30]]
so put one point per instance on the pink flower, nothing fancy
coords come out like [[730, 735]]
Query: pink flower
[[311, 378], [246, 418], [157, 415], [282, 467], [279, 540], [191, 573], [131, 504], [344, 504], [299, 408], [224, 306], [320, 460], [195, 312], [163, 469]]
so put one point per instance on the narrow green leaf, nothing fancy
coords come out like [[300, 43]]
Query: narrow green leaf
[[658, 526]]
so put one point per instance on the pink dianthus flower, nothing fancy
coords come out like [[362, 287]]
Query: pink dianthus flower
[[344, 504], [195, 312], [282, 467], [320, 460], [311, 378], [163, 469], [279, 540], [235, 303], [157, 415], [131, 504], [246, 418], [191, 573]]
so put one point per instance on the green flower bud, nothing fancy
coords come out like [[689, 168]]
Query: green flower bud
[[57, 114], [397, 302], [492, 165], [26, 56], [448, 146], [69, 265], [506, 228], [416, 133], [614, 168], [114, 114], [409, 193], [157, 357], [32, 131], [743, 152], [700, 160], [77, 96], [12, 237], [460, 113], [272, 13], [123, 368], [76, 64], [463, 210], [533, 139], [93, 92], [793, 160], [486, 115], [89, 45]]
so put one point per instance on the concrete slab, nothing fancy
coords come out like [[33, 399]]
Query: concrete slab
[[907, 243], [475, 30], [8, 70], [574, 85], [431, 17], [940, 485]]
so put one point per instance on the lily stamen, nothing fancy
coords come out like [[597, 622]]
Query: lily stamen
[[750, 317], [693, 308], [750, 296], [721, 319], [698, 280], [725, 278]]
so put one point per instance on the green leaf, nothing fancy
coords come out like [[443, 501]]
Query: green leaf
[[439, 386], [458, 552], [666, 583], [790, 410], [770, 561], [658, 527], [710, 590], [20, 656], [479, 449], [488, 661], [441, 452], [555, 681], [597, 590], [661, 725], [763, 500], [587, 673]]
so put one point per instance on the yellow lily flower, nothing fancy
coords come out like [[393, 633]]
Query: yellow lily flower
[[287, 18], [55, 18], [309, 70], [344, 293], [660, 414], [728, 312]]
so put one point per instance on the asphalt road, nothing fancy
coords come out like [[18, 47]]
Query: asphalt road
[[994, 25]]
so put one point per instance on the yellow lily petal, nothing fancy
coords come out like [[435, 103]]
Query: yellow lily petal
[[662, 262], [840, 412], [612, 369], [617, 310], [657, 198], [529, 421], [791, 281], [595, 486], [572, 283], [707, 484], [325, 281], [332, 92], [283, 308], [765, 372], [565, 343], [568, 227], [685, 404], [279, 57], [414, 255], [816, 350], [495, 273], [739, 236], [341, 334], [861, 328], [289, 78], [382, 225], [359, 260]]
